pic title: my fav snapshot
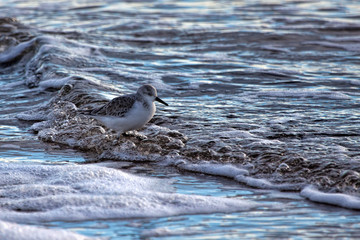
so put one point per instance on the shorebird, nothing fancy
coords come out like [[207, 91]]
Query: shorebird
[[128, 112]]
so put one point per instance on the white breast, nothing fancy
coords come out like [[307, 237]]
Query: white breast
[[136, 118], [139, 116]]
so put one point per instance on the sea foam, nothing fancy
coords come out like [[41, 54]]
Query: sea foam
[[337, 199], [13, 231], [239, 174], [35, 192]]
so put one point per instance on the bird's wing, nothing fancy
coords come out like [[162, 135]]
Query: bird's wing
[[117, 107]]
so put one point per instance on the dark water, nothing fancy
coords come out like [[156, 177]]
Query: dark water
[[269, 86]]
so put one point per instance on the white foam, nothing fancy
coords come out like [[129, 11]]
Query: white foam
[[236, 173], [236, 134], [226, 170], [265, 142], [34, 192], [265, 184], [337, 199], [156, 129], [254, 182], [13, 231], [167, 232], [282, 120]]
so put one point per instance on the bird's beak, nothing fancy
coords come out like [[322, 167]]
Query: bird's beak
[[161, 101]]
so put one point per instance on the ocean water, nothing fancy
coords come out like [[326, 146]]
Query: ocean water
[[260, 139]]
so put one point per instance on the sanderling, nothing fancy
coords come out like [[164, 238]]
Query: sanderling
[[128, 112]]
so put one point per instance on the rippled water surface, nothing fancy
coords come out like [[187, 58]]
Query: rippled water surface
[[269, 86], [301, 219]]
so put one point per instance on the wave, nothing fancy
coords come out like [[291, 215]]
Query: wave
[[270, 166], [60, 70], [14, 231], [72, 192]]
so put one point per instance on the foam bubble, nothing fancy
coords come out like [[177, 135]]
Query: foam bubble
[[13, 231], [167, 232], [337, 199], [34, 192], [265, 184], [226, 170], [236, 173]]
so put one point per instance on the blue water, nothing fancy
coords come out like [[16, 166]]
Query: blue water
[[270, 86], [287, 216]]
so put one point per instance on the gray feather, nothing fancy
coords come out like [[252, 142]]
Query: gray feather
[[117, 107]]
